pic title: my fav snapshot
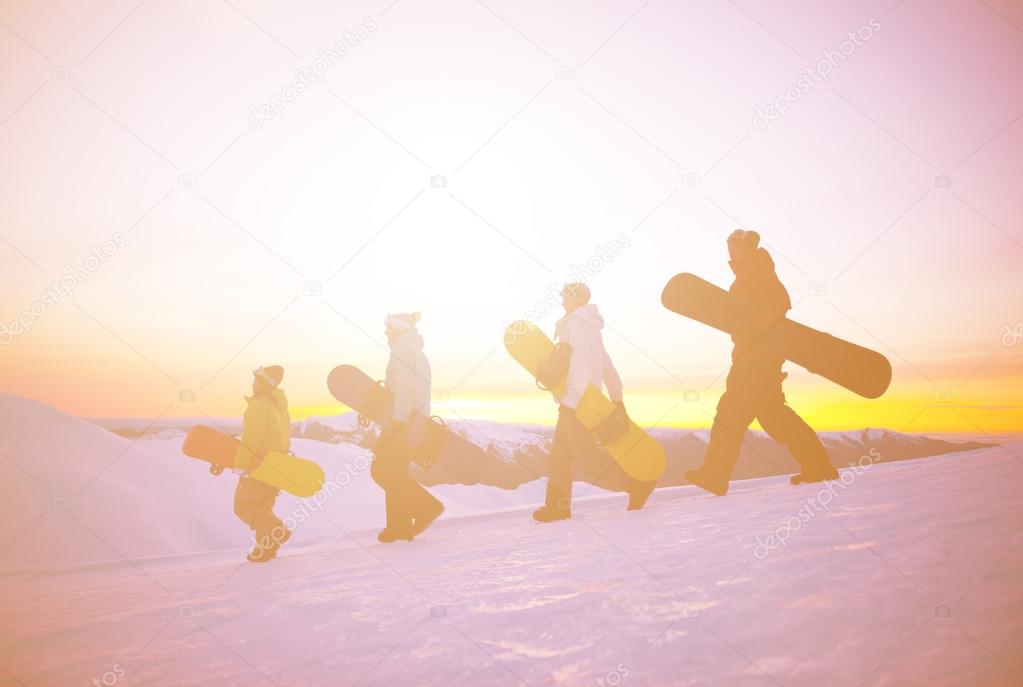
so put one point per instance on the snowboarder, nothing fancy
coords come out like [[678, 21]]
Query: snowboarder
[[266, 427], [588, 364], [410, 508], [754, 386]]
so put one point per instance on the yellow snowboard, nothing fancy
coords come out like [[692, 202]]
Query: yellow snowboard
[[639, 455], [294, 475]]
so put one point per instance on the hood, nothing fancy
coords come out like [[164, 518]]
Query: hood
[[276, 397], [587, 316], [412, 338], [759, 262]]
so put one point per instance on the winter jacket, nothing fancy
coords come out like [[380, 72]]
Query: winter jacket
[[266, 427], [590, 363], [408, 376], [763, 301]]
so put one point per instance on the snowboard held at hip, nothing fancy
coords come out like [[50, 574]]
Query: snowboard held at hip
[[858, 369], [443, 449], [294, 475], [638, 454]]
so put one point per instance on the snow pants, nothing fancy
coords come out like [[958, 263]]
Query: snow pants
[[753, 392], [254, 505], [574, 444], [405, 498]]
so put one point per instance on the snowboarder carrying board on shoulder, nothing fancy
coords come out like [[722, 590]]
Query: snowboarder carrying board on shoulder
[[266, 427], [410, 508], [754, 386], [579, 335]]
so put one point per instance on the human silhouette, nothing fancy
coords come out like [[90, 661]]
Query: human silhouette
[[588, 364], [410, 508], [266, 427], [754, 386]]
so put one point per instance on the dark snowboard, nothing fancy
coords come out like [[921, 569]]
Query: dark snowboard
[[859, 369], [444, 449]]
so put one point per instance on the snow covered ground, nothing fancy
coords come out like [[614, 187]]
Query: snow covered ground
[[906, 573]]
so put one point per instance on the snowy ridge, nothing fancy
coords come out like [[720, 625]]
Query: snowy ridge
[[86, 493], [518, 452]]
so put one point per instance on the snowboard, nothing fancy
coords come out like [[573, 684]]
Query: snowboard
[[858, 369], [638, 454], [294, 475], [444, 449]]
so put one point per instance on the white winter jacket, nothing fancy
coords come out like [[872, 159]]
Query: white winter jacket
[[590, 363], [408, 376]]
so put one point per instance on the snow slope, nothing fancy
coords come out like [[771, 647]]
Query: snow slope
[[72, 492], [910, 576]]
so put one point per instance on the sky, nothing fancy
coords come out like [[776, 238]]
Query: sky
[[222, 185]]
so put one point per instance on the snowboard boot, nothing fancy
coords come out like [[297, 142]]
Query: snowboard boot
[[700, 478], [421, 523], [551, 514], [639, 493], [267, 545], [821, 474], [258, 554], [393, 534]]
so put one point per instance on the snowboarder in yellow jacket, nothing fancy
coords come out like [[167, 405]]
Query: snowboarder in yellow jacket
[[266, 427]]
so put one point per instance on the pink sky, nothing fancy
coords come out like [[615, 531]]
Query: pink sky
[[652, 137]]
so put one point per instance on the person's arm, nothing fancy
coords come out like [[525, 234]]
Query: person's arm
[[404, 361], [253, 431], [612, 380]]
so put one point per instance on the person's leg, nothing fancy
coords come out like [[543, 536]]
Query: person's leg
[[595, 465], [600, 469], [253, 504], [732, 420], [559, 468], [413, 502], [559, 479], [425, 507], [785, 426], [390, 471]]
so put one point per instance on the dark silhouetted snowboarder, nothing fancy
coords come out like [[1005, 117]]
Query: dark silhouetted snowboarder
[[754, 386]]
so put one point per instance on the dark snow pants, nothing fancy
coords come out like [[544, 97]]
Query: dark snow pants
[[753, 391]]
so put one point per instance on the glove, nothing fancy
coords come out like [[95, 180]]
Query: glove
[[620, 405]]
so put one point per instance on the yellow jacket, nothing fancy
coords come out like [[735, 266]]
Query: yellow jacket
[[267, 427]]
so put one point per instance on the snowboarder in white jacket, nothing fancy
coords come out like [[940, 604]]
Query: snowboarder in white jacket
[[589, 364], [410, 508]]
